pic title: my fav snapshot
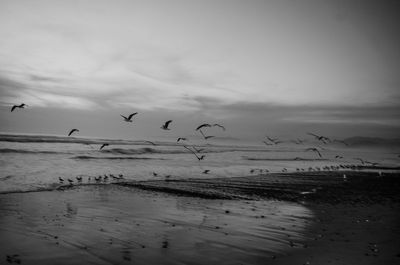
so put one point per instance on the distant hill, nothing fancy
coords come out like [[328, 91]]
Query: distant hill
[[372, 141]]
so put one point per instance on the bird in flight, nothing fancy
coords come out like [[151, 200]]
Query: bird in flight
[[198, 157], [103, 145], [72, 131], [165, 126], [219, 125], [203, 125], [206, 137], [320, 138], [129, 118], [314, 150], [18, 106], [181, 139]]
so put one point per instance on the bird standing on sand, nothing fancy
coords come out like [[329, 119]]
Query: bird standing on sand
[[103, 145], [72, 131], [165, 126], [129, 118], [21, 106], [314, 150]]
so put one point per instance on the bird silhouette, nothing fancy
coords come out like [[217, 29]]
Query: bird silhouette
[[320, 138], [72, 131], [150, 142], [203, 125], [219, 125], [206, 171], [198, 157], [103, 145], [21, 106], [165, 126], [129, 118], [181, 139], [206, 137], [314, 150]]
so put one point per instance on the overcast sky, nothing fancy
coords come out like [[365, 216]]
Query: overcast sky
[[277, 67]]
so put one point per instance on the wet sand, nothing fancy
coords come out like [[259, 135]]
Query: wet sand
[[294, 218]]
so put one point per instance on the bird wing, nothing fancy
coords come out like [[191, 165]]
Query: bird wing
[[313, 134], [167, 123], [203, 125], [150, 142], [133, 114], [316, 150], [220, 126], [103, 146], [72, 131], [13, 108], [123, 117]]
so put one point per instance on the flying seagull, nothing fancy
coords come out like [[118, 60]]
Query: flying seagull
[[18, 106], [103, 145], [218, 125], [165, 126], [314, 150], [72, 131], [150, 142], [320, 138], [181, 139], [203, 125], [129, 119], [198, 157], [206, 137]]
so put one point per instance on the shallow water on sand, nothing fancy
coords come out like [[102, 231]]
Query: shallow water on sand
[[117, 225]]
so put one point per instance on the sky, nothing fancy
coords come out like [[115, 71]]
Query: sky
[[280, 67]]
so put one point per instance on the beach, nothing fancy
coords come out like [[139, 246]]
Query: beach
[[293, 218]]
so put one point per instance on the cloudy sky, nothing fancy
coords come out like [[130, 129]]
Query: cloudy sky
[[278, 67]]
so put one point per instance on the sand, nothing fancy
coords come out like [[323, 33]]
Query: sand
[[313, 218]]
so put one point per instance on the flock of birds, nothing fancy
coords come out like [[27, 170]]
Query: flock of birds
[[197, 152]]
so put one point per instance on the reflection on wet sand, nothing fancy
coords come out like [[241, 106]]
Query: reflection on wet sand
[[112, 225]]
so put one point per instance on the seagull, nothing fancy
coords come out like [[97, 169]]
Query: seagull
[[155, 174], [198, 150], [203, 125], [181, 139], [79, 179], [218, 125], [129, 119], [199, 158], [150, 142], [206, 137], [320, 138], [165, 126], [72, 131], [18, 106], [70, 181], [206, 171], [103, 145], [314, 150], [60, 179]]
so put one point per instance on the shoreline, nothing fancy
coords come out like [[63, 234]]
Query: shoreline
[[356, 220]]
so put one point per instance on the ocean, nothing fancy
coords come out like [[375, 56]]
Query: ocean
[[35, 162]]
